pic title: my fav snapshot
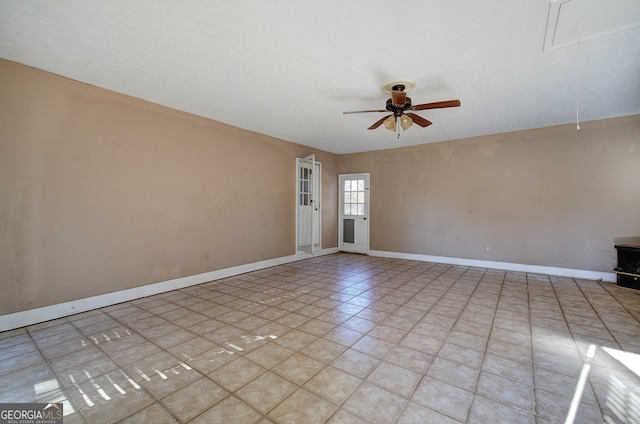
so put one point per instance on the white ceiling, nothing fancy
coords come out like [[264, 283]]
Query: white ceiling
[[289, 68]]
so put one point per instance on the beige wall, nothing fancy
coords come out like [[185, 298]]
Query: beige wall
[[102, 192], [553, 196]]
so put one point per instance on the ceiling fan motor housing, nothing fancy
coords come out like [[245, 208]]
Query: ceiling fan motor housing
[[397, 110]]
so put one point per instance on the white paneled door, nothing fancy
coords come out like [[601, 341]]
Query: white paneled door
[[353, 212], [308, 227]]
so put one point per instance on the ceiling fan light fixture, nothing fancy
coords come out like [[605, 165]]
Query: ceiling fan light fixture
[[406, 122], [390, 123]]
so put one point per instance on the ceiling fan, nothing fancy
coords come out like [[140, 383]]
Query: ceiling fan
[[399, 104]]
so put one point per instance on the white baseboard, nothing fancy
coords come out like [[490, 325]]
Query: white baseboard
[[508, 266], [46, 313]]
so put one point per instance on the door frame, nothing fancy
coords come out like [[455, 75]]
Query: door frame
[[316, 207], [316, 234], [366, 218]]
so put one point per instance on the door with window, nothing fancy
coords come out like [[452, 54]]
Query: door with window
[[308, 214], [353, 223]]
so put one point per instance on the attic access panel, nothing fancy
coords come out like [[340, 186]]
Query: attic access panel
[[570, 21]]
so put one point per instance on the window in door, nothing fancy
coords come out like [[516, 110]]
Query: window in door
[[306, 186], [354, 197]]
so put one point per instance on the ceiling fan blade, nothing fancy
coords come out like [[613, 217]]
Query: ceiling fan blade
[[378, 123], [417, 119], [436, 105], [398, 98], [365, 111]]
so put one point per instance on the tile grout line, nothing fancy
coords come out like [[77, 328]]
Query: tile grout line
[[390, 284], [425, 372], [57, 376]]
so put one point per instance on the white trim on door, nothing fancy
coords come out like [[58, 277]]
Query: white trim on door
[[317, 208]]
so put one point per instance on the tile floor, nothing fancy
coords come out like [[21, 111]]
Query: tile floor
[[343, 339]]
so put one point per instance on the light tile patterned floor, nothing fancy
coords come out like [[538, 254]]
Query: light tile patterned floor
[[343, 339]]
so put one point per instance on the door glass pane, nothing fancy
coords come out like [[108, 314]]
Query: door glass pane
[[348, 230], [354, 193], [305, 186]]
